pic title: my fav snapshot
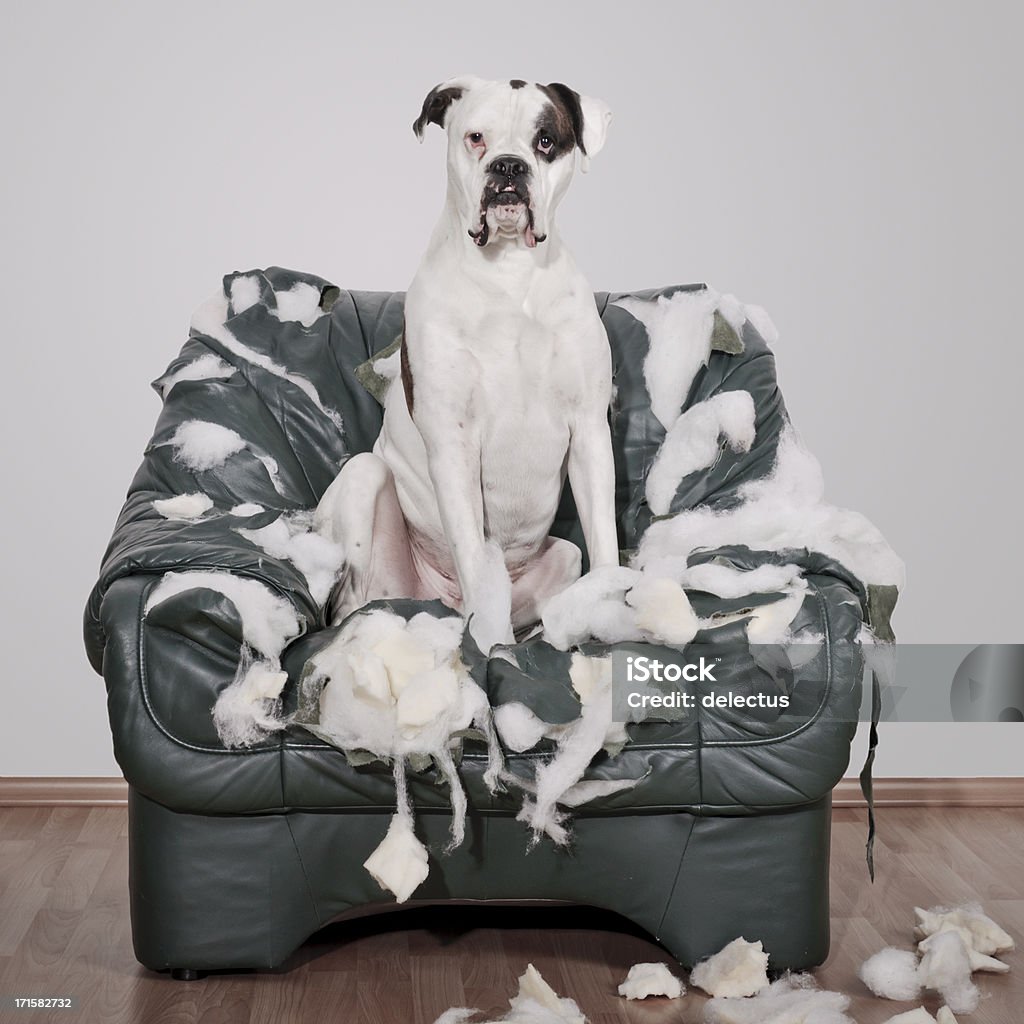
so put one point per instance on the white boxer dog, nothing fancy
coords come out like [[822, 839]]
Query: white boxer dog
[[506, 381]]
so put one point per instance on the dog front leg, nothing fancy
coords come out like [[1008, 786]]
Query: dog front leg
[[360, 511], [592, 477], [479, 563]]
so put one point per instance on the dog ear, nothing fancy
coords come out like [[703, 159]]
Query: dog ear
[[596, 118], [439, 99], [590, 118]]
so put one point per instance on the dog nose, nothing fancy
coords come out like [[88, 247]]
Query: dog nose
[[507, 166]]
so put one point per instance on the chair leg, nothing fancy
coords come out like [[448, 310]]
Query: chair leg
[[185, 974]]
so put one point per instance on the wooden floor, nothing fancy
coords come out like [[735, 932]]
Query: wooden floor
[[64, 930]]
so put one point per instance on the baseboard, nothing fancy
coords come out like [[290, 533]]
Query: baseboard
[[917, 792], [911, 792], [46, 791]]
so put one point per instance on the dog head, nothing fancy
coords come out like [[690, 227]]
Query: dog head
[[510, 151]]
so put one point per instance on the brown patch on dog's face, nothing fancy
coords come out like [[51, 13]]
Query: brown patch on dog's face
[[552, 136], [564, 116], [435, 106]]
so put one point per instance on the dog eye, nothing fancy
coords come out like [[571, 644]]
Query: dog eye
[[475, 137], [545, 144]]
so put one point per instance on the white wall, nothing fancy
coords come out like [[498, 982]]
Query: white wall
[[854, 167]]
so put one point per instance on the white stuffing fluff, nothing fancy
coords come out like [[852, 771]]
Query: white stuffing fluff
[[378, 666], [978, 961], [300, 303], [519, 728], [727, 581], [986, 936], [693, 443], [290, 537], [591, 789], [535, 1003], [202, 445], [400, 863], [268, 621], [917, 1016], [185, 508], [784, 510], [557, 781], [892, 974], [592, 606], [207, 367], [662, 611], [770, 623], [270, 465], [762, 323], [793, 999], [538, 1003], [247, 508], [679, 328], [577, 746], [739, 969], [615, 603], [950, 955], [400, 689], [590, 677], [250, 707], [211, 319], [600, 605], [245, 293], [946, 968], [645, 980]]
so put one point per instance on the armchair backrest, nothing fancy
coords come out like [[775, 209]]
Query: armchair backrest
[[272, 362]]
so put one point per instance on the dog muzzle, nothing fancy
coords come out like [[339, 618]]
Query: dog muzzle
[[505, 207]]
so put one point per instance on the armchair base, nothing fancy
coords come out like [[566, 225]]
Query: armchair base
[[245, 891]]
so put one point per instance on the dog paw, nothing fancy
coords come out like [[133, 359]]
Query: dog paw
[[489, 634]]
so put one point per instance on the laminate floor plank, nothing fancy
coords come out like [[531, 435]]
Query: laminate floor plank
[[23, 822], [103, 822], [40, 859]]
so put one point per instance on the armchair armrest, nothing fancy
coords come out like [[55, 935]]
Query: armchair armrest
[[163, 672], [146, 544]]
